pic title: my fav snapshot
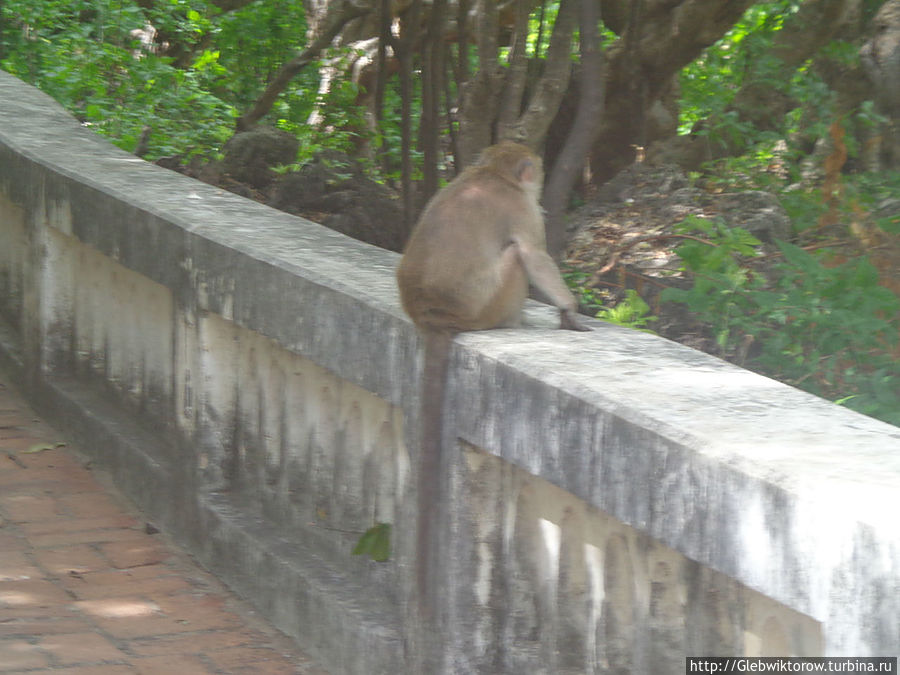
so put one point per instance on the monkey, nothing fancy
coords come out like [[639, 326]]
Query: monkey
[[476, 246], [467, 266]]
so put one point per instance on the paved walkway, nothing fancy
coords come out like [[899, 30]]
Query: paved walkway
[[87, 588]]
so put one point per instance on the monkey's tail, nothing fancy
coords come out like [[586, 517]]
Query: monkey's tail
[[431, 470]]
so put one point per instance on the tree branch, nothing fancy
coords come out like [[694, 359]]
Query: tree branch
[[517, 76], [534, 122], [289, 70], [432, 88], [480, 96]]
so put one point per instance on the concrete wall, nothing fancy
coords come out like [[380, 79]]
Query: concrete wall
[[617, 501]]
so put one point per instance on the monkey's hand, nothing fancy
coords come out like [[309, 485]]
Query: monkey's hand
[[568, 321]]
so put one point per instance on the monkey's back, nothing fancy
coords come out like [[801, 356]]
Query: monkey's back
[[459, 271]]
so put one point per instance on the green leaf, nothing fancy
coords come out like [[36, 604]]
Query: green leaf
[[631, 312], [41, 447], [799, 258], [375, 543]]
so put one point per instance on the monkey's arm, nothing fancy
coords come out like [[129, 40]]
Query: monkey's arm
[[543, 273]]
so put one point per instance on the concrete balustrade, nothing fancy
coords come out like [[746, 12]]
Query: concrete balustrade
[[616, 501]]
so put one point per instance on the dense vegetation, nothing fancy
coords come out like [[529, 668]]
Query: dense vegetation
[[823, 314], [172, 77]]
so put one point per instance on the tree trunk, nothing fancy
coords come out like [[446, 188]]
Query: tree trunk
[[531, 127], [480, 95], [571, 159], [659, 41], [432, 88], [881, 60]]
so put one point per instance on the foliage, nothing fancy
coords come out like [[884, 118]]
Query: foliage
[[539, 24], [828, 324], [338, 114], [631, 311], [708, 85], [250, 44], [375, 543], [821, 322], [387, 138], [721, 283], [871, 192], [254, 42], [824, 326], [746, 59], [86, 56], [590, 300]]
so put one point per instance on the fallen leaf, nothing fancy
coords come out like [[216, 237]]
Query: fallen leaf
[[40, 447]]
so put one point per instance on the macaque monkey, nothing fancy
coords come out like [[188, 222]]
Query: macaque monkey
[[467, 266]]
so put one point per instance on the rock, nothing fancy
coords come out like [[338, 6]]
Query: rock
[[642, 181], [758, 212], [335, 191], [251, 155]]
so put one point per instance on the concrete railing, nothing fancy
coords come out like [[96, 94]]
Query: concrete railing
[[617, 501]]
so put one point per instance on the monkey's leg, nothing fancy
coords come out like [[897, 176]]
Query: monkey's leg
[[500, 292]]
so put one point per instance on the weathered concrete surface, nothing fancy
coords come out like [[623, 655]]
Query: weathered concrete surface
[[617, 501]]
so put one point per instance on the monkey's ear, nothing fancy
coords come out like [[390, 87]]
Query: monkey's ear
[[526, 171]]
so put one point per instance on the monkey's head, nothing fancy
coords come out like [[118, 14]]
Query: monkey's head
[[516, 162]]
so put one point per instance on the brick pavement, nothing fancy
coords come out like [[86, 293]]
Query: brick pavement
[[86, 590]]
